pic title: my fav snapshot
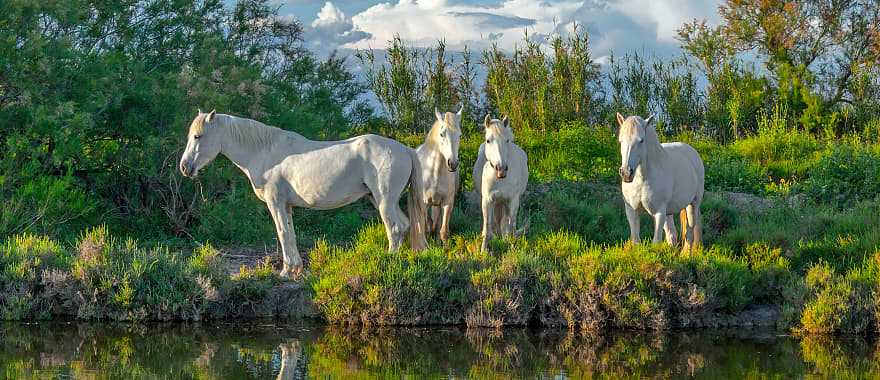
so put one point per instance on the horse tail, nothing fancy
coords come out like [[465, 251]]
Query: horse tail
[[414, 206], [683, 216]]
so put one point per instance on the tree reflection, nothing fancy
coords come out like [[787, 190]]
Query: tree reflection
[[260, 351]]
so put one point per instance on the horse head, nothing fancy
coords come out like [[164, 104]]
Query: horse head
[[499, 136], [202, 145], [446, 134], [632, 137]]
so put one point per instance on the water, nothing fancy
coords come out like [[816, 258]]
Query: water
[[271, 350]]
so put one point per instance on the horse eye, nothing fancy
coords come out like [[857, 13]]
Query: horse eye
[[487, 141], [197, 137]]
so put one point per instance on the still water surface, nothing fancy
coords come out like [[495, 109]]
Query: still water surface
[[292, 351]]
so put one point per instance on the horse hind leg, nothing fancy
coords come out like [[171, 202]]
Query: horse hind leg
[[669, 231], [659, 226], [396, 223], [434, 218], [500, 220], [695, 226], [686, 231]]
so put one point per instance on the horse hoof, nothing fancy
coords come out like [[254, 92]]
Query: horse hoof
[[293, 274]]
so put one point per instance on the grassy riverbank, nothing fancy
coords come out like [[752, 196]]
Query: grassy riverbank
[[802, 268]]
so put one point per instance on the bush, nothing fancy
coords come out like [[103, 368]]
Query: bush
[[729, 171], [845, 174], [56, 206], [840, 303], [29, 265]]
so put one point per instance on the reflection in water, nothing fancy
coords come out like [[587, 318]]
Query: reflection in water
[[295, 351]]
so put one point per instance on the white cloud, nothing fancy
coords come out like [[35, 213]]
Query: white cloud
[[331, 29], [329, 15], [619, 25], [424, 22]]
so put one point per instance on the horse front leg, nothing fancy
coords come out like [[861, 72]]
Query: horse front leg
[[659, 225], [444, 227], [488, 218], [632, 216], [281, 214]]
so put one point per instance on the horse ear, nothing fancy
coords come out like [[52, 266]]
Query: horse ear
[[649, 120], [437, 114], [620, 119], [486, 121], [200, 110], [505, 122], [460, 108], [210, 116]]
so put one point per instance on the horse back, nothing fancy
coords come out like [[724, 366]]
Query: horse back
[[686, 167]]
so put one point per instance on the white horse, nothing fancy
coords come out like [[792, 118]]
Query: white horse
[[287, 170], [501, 174], [663, 179], [438, 157]]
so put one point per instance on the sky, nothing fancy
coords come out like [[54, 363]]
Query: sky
[[621, 26]]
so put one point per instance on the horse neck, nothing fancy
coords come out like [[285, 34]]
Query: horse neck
[[253, 149], [431, 144], [654, 153]]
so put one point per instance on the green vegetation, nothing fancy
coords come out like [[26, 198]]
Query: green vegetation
[[95, 97], [103, 278], [256, 351]]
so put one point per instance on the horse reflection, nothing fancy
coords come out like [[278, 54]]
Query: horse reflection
[[291, 353]]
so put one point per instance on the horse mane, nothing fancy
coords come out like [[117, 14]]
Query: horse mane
[[653, 141], [250, 132], [499, 128]]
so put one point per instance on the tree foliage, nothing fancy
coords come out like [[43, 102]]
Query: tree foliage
[[99, 94]]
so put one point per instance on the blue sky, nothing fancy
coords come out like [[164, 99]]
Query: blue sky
[[618, 25]]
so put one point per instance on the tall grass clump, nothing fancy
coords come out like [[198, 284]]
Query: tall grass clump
[[552, 279], [537, 89]]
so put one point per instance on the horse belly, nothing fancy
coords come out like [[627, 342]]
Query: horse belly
[[326, 184]]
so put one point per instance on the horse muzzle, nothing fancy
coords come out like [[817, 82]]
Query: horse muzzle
[[625, 174], [188, 169], [452, 165], [500, 171]]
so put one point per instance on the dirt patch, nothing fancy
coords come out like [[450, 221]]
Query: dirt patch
[[249, 257]]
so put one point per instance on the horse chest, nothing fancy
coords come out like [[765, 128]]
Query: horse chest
[[643, 194], [440, 188]]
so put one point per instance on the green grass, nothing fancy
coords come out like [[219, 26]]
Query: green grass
[[103, 278], [554, 278]]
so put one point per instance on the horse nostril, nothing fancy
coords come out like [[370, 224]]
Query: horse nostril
[[453, 164]]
